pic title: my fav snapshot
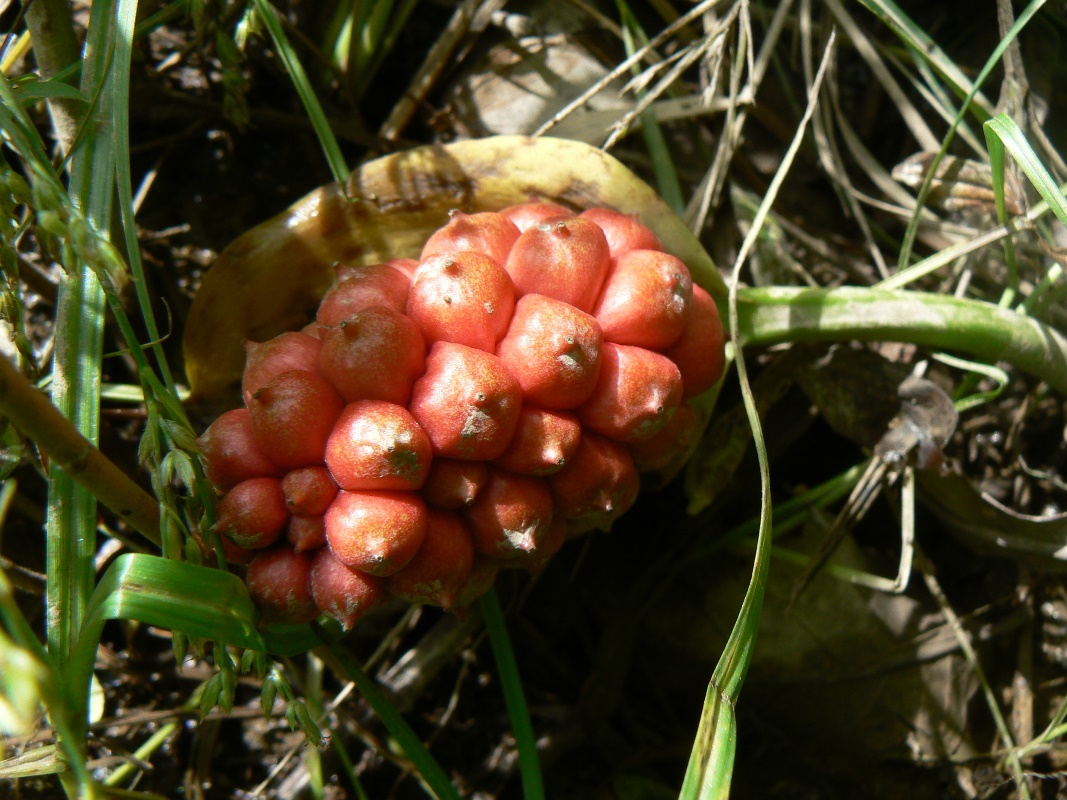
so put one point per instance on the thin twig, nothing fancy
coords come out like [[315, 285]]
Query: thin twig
[[34, 415]]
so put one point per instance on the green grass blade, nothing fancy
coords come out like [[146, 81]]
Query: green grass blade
[[334, 157], [920, 42], [71, 510], [710, 768], [667, 182], [175, 595], [514, 698], [924, 190], [126, 20], [1003, 133]]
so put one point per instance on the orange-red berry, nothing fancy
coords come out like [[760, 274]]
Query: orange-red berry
[[376, 532], [699, 351], [467, 402], [441, 567], [622, 231], [376, 354], [358, 288], [510, 515], [378, 445], [306, 533], [553, 350], [264, 361], [486, 232], [598, 486], [462, 297], [543, 442], [645, 299], [635, 394], [230, 451], [308, 490], [341, 592], [279, 581], [564, 258], [292, 417], [253, 513], [453, 484]]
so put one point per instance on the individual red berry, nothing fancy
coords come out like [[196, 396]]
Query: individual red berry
[[566, 259], [635, 394], [527, 215], [622, 231], [553, 350], [279, 581], [440, 569], [671, 442], [230, 451], [645, 299], [699, 351], [264, 361], [486, 232], [309, 490], [543, 442], [376, 532], [341, 592], [362, 287], [253, 513], [378, 445], [306, 533], [467, 402], [376, 354], [597, 486], [453, 484], [462, 297], [292, 417], [510, 515]]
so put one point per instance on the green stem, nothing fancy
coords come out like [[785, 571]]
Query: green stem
[[776, 315]]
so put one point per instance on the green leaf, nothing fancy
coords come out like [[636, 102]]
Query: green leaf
[[209, 698], [268, 694], [30, 92], [199, 601]]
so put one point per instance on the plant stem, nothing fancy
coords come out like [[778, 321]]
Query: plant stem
[[776, 315], [35, 417], [55, 48]]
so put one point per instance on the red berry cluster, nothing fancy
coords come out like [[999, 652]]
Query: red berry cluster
[[476, 407]]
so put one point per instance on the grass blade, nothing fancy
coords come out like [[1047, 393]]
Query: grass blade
[[920, 42], [1002, 133], [667, 182], [334, 157], [924, 190], [518, 712], [711, 762]]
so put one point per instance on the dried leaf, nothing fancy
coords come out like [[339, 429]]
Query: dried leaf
[[960, 184]]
